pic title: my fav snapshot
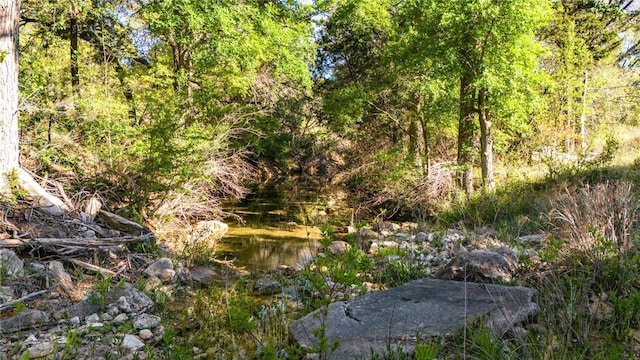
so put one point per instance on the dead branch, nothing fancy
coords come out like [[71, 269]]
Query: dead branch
[[10, 304]]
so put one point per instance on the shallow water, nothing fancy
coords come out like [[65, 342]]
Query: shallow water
[[279, 228]]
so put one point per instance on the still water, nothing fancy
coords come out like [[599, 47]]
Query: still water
[[281, 228]]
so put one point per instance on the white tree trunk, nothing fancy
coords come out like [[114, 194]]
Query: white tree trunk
[[9, 155], [9, 17]]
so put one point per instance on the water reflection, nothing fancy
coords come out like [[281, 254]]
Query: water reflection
[[260, 250], [276, 230]]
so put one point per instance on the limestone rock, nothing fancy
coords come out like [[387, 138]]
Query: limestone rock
[[40, 350], [163, 269], [429, 307], [534, 239], [338, 247], [126, 296], [481, 265], [132, 343], [25, 320], [145, 334], [10, 263], [266, 286], [118, 222], [183, 276], [61, 277], [146, 321]]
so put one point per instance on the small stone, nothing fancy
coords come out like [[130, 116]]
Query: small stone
[[40, 350], [6, 293], [146, 321], [94, 325], [93, 318], [183, 276], [422, 237], [163, 269], [132, 343], [113, 310], [54, 295], [106, 317], [124, 305], [145, 334], [338, 247], [74, 320], [534, 239], [10, 263], [89, 234], [36, 268], [120, 318], [266, 286], [31, 339], [61, 277]]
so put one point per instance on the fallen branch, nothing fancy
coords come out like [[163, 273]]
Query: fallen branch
[[10, 304], [92, 267], [79, 242]]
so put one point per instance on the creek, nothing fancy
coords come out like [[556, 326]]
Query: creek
[[281, 226]]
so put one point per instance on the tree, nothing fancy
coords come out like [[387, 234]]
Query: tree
[[491, 49], [9, 17], [9, 155]]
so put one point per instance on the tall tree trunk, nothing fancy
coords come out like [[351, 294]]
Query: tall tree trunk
[[486, 142], [426, 154], [9, 17], [465, 133], [73, 40], [583, 113]]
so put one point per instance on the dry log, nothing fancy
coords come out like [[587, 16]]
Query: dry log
[[79, 242]]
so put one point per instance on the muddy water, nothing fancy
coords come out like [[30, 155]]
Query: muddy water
[[281, 228]]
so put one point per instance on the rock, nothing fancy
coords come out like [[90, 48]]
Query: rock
[[145, 334], [338, 247], [36, 268], [126, 298], [452, 236], [74, 320], [106, 317], [120, 318], [422, 237], [534, 239], [210, 229], [163, 269], [183, 276], [93, 318], [368, 234], [91, 209], [386, 226], [40, 350], [146, 321], [25, 320], [429, 307], [61, 278], [481, 265], [204, 275], [6, 294], [120, 223], [131, 343], [10, 263], [266, 286]]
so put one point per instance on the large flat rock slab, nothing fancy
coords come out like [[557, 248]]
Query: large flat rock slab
[[428, 307]]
